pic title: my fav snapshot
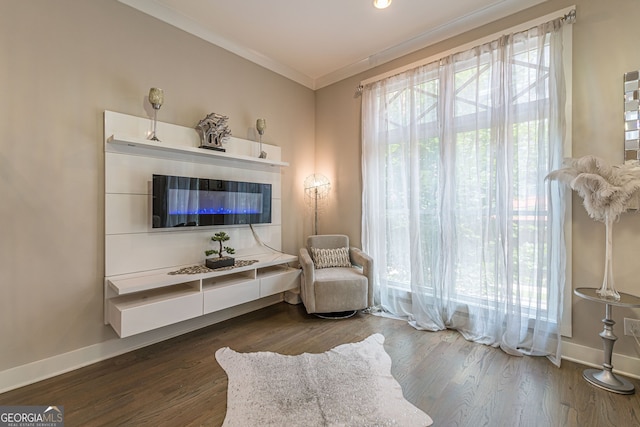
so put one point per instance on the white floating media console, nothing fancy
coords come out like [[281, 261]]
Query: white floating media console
[[139, 303], [140, 295]]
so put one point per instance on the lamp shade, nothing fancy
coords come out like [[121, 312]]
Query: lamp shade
[[317, 186]]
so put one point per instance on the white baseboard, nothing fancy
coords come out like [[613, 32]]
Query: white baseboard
[[624, 365], [46, 368]]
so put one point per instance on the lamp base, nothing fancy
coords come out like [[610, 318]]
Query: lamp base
[[608, 381], [337, 315]]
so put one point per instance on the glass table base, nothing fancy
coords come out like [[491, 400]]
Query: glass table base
[[608, 381]]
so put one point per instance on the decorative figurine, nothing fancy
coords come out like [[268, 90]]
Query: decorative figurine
[[213, 130], [156, 99], [261, 126]]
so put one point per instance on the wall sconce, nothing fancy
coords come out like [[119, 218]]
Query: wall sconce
[[316, 189]]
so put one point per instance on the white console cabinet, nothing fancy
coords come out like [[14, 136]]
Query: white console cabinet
[[140, 302], [139, 294]]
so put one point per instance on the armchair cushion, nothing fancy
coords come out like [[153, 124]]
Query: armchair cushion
[[340, 289], [327, 258]]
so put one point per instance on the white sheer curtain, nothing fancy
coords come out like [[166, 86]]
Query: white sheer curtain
[[465, 231]]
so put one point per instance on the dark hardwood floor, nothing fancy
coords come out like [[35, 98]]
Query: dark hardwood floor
[[458, 383]]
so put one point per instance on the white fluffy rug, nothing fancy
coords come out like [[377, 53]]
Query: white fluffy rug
[[350, 385]]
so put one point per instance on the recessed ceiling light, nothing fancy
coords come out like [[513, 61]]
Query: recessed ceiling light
[[381, 4]]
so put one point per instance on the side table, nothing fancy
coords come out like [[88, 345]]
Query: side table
[[605, 378]]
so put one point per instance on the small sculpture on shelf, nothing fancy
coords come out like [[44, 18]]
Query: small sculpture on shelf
[[156, 99], [213, 131], [261, 126], [221, 260]]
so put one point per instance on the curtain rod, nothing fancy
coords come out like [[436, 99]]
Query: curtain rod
[[567, 15]]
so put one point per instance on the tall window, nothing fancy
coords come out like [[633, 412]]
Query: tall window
[[466, 231]]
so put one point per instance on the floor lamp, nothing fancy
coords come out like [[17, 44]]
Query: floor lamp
[[316, 191]]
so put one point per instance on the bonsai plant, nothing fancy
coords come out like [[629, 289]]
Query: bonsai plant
[[221, 260]]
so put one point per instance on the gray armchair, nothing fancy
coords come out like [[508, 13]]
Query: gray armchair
[[336, 278]]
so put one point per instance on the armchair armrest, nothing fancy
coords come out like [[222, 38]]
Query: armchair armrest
[[306, 262], [359, 258], [308, 279], [363, 260]]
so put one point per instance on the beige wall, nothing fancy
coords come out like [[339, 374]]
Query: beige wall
[[62, 64], [604, 48]]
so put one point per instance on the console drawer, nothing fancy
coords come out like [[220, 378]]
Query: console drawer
[[228, 295], [280, 280], [144, 311]]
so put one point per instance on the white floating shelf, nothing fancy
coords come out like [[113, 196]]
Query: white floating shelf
[[127, 284], [162, 147]]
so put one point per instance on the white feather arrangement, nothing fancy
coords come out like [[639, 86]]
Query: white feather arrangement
[[607, 191]]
